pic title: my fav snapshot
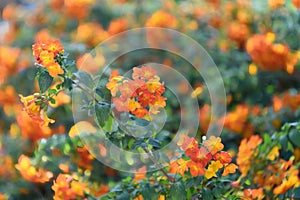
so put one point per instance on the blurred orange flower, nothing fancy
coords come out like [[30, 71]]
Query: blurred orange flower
[[117, 26], [90, 33], [30, 129], [270, 56], [238, 32], [245, 153], [276, 3], [296, 3], [162, 19], [30, 173], [257, 194]]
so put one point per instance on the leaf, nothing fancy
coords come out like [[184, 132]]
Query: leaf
[[67, 84], [207, 194], [177, 191], [294, 136], [84, 78], [296, 193], [141, 122], [44, 81], [155, 143], [102, 113], [123, 196], [148, 192]]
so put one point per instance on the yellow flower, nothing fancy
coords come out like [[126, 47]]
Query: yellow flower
[[274, 153], [212, 169]]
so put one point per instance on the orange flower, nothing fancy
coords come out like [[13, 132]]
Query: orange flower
[[91, 64], [296, 3], [66, 188], [254, 193], [140, 174], [78, 9], [84, 158], [117, 26], [114, 82], [270, 56], [91, 33], [162, 19], [195, 168], [30, 173], [178, 166], [9, 58], [33, 107], [276, 3], [229, 169], [204, 117], [140, 96], [98, 191], [246, 150], [30, 129], [238, 32], [223, 157], [213, 144], [45, 53]]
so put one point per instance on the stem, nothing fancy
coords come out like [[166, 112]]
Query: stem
[[157, 164]]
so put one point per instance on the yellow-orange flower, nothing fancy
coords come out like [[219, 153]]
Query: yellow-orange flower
[[45, 53], [270, 56], [66, 188], [35, 110], [213, 144], [30, 173], [276, 3], [162, 19], [212, 169]]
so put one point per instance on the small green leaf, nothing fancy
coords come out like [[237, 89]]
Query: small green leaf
[[44, 81]]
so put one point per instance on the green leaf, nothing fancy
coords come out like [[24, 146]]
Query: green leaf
[[207, 194], [123, 196], [177, 191], [84, 78], [154, 142], [294, 136], [67, 84], [102, 113], [296, 193], [44, 81]]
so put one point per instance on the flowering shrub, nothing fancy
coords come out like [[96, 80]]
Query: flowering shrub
[[44, 61]]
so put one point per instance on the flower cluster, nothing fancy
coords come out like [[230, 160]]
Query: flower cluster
[[30, 173], [204, 161], [270, 56], [141, 96], [66, 187], [45, 53], [35, 106]]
